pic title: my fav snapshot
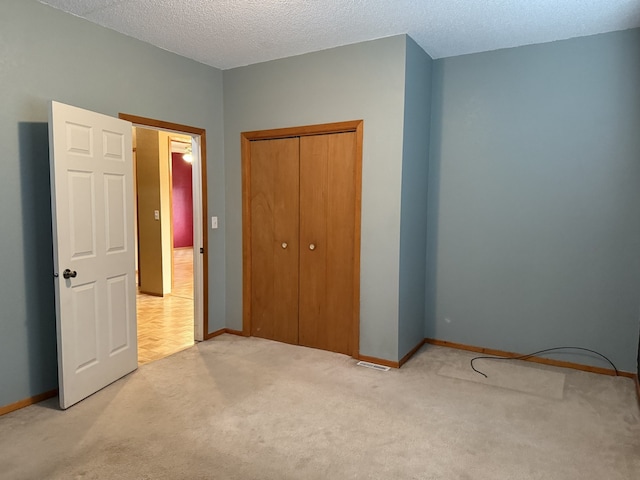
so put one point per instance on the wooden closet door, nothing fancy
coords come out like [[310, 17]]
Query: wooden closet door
[[274, 239], [327, 236]]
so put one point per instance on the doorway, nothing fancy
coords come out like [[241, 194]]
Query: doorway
[[171, 254]]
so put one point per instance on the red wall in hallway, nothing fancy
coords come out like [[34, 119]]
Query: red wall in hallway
[[182, 191]]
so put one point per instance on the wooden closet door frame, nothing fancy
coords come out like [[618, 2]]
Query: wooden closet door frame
[[246, 138]]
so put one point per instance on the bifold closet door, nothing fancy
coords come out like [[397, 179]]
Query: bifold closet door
[[274, 239], [327, 241]]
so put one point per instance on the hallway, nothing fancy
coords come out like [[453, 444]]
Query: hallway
[[165, 324]]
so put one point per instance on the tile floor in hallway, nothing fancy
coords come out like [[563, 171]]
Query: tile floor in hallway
[[165, 324]]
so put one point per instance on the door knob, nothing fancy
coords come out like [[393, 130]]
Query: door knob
[[69, 274], [312, 246], [284, 244]]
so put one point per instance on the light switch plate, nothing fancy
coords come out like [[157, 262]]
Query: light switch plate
[[214, 222], [156, 214]]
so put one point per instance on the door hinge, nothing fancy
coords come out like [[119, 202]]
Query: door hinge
[[201, 249]]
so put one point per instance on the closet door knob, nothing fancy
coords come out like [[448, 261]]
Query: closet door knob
[[284, 245], [312, 246]]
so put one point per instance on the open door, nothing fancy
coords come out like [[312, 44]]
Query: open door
[[93, 249]]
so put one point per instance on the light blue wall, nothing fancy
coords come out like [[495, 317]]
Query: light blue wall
[[44, 55], [413, 214], [534, 198], [363, 81]]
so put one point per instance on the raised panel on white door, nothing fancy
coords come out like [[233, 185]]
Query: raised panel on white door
[[115, 213], [85, 325], [118, 314], [79, 139], [81, 213], [113, 145]]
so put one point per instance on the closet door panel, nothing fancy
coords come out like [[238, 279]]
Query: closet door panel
[[274, 239], [327, 236]]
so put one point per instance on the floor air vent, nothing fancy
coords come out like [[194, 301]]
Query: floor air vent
[[374, 366]]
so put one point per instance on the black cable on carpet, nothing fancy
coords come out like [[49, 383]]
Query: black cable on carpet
[[534, 354]]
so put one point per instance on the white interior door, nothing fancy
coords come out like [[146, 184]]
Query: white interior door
[[93, 248]]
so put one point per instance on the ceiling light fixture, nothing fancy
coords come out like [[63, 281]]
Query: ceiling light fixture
[[187, 156]]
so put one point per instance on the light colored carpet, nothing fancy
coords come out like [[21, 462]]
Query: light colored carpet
[[513, 375], [246, 408]]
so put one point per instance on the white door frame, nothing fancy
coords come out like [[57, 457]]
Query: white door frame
[[198, 239]]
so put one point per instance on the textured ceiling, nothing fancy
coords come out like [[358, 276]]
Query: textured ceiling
[[230, 33]]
